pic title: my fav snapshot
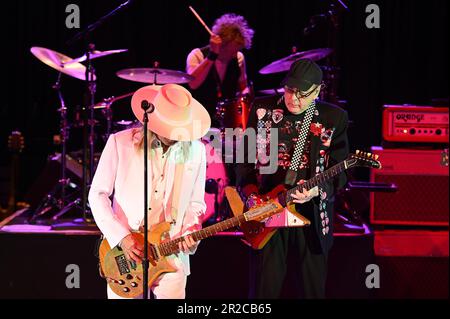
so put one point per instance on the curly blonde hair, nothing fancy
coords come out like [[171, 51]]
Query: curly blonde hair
[[231, 26]]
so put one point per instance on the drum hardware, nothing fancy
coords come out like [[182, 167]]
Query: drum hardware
[[64, 137], [276, 91], [284, 64], [154, 75], [73, 68], [85, 37], [107, 111], [212, 187], [95, 54], [216, 176], [57, 60]]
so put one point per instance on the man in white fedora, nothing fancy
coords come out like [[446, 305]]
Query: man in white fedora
[[175, 195]]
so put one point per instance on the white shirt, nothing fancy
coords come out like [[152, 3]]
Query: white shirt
[[158, 161]]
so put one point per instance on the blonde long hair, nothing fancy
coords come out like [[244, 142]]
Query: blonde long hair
[[138, 141]]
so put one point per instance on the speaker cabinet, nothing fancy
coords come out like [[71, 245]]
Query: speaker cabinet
[[413, 264], [421, 178]]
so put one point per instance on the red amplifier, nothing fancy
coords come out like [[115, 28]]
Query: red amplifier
[[425, 124], [421, 177], [413, 264]]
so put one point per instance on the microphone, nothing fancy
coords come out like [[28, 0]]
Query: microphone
[[147, 107]]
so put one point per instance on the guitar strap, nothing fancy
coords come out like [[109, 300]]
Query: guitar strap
[[291, 174]]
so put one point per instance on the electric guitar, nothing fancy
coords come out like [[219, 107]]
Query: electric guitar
[[256, 234], [126, 277], [16, 145]]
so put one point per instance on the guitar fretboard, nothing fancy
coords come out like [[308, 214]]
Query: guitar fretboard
[[171, 247], [317, 180]]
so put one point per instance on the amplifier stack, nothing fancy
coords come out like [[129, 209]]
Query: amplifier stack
[[411, 224]]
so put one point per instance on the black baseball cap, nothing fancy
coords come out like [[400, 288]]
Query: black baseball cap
[[303, 74]]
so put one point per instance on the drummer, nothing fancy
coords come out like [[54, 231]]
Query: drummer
[[219, 68]]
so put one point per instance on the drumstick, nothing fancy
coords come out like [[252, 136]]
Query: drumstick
[[201, 21]]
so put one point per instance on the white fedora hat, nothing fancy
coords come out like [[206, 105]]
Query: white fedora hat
[[177, 115]]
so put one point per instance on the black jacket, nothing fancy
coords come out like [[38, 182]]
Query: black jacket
[[327, 144]]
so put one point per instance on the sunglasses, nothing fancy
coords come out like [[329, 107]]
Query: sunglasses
[[301, 95]]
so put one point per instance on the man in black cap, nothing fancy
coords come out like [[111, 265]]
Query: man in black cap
[[325, 144]]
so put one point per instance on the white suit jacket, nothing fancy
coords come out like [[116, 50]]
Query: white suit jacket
[[120, 174]]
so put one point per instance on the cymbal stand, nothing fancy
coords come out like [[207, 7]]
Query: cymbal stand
[[108, 113], [88, 138], [63, 181], [52, 199], [155, 72]]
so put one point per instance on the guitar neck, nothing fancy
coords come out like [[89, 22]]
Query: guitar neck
[[13, 182], [171, 247], [314, 181]]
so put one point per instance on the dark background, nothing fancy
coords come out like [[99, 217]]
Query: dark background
[[403, 62]]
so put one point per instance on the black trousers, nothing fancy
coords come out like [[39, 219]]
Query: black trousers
[[288, 266]]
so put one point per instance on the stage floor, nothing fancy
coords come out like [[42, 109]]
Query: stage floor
[[35, 260]]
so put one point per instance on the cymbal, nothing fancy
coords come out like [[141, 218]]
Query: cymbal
[[57, 61], [154, 76], [278, 91], [95, 54], [284, 64]]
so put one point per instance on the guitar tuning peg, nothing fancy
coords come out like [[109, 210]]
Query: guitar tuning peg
[[376, 156], [369, 154], [357, 152]]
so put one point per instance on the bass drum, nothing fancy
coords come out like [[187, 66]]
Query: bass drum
[[216, 181], [233, 113]]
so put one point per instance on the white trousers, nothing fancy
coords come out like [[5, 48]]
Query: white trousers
[[170, 285]]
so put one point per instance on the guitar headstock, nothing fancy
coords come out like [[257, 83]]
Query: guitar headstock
[[16, 142], [363, 159]]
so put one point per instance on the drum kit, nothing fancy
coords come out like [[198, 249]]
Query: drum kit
[[230, 113]]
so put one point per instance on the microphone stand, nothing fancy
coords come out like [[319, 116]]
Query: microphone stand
[[95, 25], [331, 70], [148, 108]]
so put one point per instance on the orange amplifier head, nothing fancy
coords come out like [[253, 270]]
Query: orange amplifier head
[[425, 124]]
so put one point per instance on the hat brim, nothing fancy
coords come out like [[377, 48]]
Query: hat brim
[[193, 130], [298, 84]]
